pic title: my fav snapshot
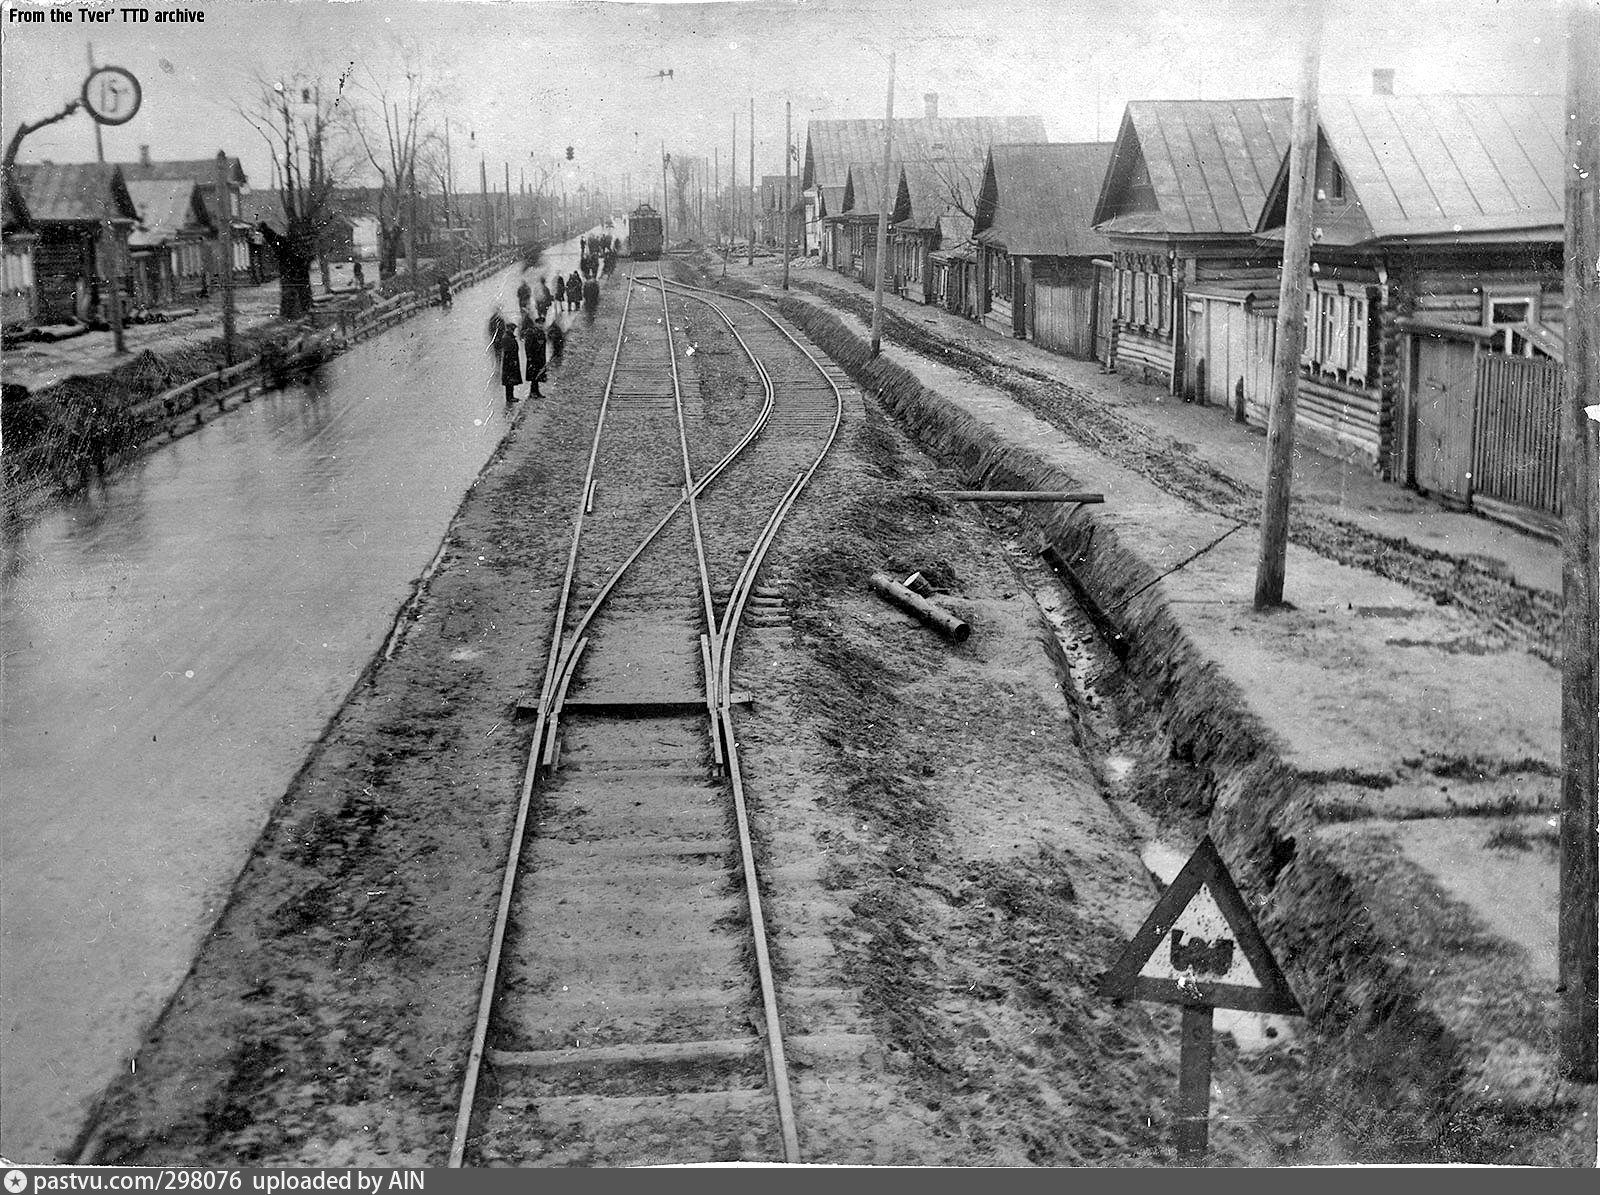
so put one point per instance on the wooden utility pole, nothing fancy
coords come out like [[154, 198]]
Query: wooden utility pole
[[411, 225], [664, 204], [224, 209], [883, 216], [488, 222], [750, 246], [733, 193], [511, 234], [1291, 322], [1580, 555], [787, 133]]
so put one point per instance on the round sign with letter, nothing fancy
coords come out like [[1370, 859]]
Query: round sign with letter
[[112, 95]]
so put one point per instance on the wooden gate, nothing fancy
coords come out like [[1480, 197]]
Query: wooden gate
[[1063, 317], [1518, 434], [1444, 398], [1217, 358]]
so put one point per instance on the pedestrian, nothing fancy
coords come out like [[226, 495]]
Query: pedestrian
[[557, 337], [361, 278], [545, 297], [560, 296], [444, 293], [591, 299], [574, 290], [524, 293], [503, 342], [533, 341]]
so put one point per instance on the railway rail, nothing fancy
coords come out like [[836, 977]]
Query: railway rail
[[629, 1012]]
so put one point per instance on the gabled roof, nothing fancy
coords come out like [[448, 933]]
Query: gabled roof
[[74, 191], [166, 209], [1038, 200], [1193, 167], [201, 170], [863, 190], [830, 201], [925, 192], [832, 145], [1442, 167]]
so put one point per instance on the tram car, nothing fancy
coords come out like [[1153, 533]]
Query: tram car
[[644, 233]]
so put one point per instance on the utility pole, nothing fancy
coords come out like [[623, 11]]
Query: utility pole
[[883, 216], [225, 252], [750, 247], [1580, 552], [664, 204], [449, 177], [1291, 322], [511, 232], [99, 145], [733, 193], [488, 221], [787, 132]]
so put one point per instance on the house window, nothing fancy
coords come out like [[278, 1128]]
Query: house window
[[1336, 182], [1510, 315], [1144, 296], [18, 272], [1336, 335]]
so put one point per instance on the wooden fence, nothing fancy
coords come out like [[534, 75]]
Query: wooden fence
[[1517, 432]]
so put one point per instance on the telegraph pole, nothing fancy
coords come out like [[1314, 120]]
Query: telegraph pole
[[733, 192], [511, 235], [411, 224], [787, 132], [883, 216], [750, 246], [665, 205], [1580, 552], [488, 221], [225, 252], [1291, 323]]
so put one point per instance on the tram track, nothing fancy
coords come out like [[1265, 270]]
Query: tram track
[[629, 1011]]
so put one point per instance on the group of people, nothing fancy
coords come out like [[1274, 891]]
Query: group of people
[[597, 255], [526, 348]]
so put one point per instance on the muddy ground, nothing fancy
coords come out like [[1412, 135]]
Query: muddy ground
[[941, 827]]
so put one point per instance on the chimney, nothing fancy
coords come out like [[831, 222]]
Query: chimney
[[144, 155], [1383, 81], [930, 105]]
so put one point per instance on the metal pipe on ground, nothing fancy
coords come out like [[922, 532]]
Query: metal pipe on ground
[[1019, 496], [943, 621]]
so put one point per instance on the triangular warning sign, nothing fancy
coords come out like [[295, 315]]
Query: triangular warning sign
[[1201, 946]]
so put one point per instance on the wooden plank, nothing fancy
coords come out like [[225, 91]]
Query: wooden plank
[[1021, 496]]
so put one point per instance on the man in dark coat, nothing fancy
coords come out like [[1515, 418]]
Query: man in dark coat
[[503, 342], [524, 293], [533, 339], [545, 297], [574, 290], [591, 299]]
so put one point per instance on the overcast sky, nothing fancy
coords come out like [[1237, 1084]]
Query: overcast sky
[[529, 77]]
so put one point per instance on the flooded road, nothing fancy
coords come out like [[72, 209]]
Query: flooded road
[[173, 643]]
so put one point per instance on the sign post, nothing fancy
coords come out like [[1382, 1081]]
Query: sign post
[[1201, 949]]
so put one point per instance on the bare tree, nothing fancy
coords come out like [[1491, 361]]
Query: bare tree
[[299, 126], [682, 173], [395, 143]]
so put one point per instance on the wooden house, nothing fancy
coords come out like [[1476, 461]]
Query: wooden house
[[202, 172], [954, 145], [261, 213], [1036, 243], [17, 238], [1433, 330], [168, 249], [82, 214], [853, 233], [1180, 204]]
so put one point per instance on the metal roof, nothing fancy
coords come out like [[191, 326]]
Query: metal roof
[[1208, 163], [1442, 166], [166, 209], [832, 145], [1038, 200], [200, 170], [264, 207], [74, 191], [863, 190]]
